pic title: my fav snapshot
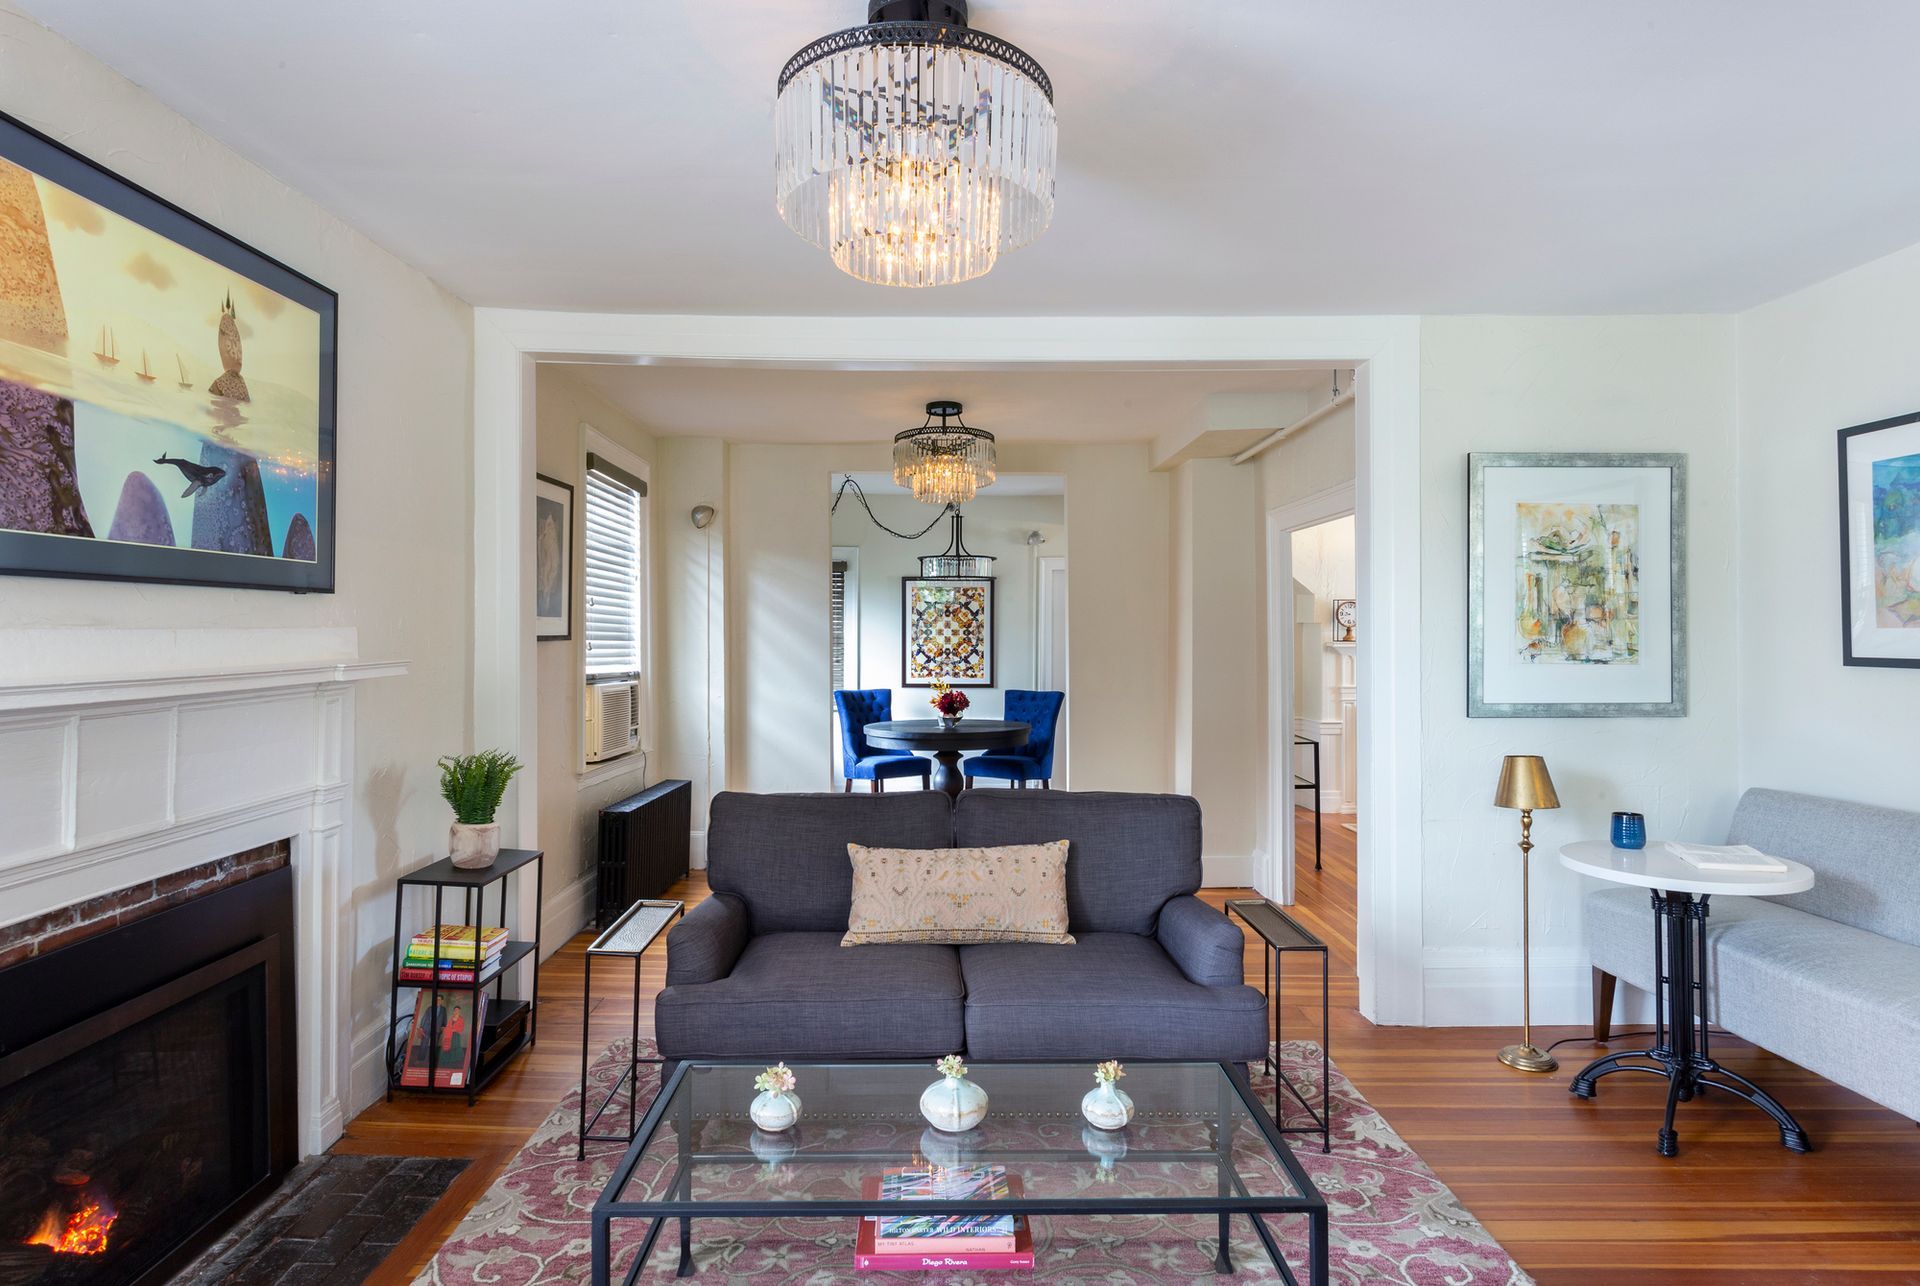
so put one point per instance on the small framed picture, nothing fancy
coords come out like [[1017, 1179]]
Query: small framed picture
[[552, 559], [1880, 542], [1577, 585]]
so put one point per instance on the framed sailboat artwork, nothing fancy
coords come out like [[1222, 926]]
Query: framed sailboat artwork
[[167, 392]]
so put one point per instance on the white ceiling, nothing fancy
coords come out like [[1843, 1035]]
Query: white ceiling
[[761, 404], [1225, 156]]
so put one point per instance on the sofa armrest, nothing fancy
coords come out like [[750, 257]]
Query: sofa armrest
[[1205, 944], [707, 941]]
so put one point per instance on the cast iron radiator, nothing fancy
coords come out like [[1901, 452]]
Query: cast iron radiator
[[643, 846]]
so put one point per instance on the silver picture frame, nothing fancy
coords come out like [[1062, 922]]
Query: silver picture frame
[[1479, 464]]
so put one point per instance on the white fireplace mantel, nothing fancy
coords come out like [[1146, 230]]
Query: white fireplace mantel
[[126, 755]]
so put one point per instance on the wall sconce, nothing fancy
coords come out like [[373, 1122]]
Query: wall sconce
[[702, 516]]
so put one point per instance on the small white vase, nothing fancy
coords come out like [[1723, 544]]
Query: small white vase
[[953, 1104], [775, 1110], [473, 848], [1107, 1107]]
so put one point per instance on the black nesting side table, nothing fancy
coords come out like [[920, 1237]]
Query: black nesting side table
[[639, 927], [1282, 934]]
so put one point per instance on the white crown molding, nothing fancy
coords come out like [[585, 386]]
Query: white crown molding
[[65, 693]]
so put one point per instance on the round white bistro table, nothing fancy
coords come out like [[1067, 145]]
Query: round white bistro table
[[1679, 892]]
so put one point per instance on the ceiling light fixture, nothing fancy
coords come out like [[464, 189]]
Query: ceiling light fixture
[[944, 464], [915, 150], [956, 562]]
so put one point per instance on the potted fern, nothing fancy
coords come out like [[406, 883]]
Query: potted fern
[[474, 785]]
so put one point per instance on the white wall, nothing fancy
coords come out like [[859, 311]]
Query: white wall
[[1837, 354], [1563, 384], [690, 621], [996, 526], [404, 569], [570, 805], [1322, 564]]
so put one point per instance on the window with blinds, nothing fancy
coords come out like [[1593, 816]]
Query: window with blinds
[[837, 615], [614, 553]]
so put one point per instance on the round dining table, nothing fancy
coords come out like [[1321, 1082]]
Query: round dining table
[[931, 737]]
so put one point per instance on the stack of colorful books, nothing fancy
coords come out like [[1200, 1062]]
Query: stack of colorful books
[[467, 954], [921, 1242]]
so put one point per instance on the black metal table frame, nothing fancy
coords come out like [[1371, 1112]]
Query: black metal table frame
[[1234, 1197], [473, 897], [1270, 988], [1680, 1051], [1300, 783], [631, 1076]]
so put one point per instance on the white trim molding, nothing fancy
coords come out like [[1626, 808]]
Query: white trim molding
[[109, 778], [1385, 350]]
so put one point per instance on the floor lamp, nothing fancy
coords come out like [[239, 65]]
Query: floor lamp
[[1525, 785]]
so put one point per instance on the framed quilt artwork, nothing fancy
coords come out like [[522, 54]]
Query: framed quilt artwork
[[946, 632], [1880, 542], [1576, 585]]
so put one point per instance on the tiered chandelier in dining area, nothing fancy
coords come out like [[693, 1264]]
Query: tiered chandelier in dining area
[[944, 463], [915, 150]]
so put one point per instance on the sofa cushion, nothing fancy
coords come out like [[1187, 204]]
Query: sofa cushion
[[1016, 893], [1835, 999], [785, 856], [1110, 995], [804, 996], [1867, 859], [1129, 854]]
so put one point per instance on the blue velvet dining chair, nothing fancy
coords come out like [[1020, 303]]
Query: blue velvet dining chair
[[859, 761], [1040, 711]]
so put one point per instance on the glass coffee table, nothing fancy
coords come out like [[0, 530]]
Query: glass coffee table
[[1198, 1144]]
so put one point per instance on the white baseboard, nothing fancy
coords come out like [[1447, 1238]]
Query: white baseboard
[[697, 850], [1227, 870], [1466, 988], [367, 1076]]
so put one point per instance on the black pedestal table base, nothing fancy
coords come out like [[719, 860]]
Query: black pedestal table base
[[1680, 1051]]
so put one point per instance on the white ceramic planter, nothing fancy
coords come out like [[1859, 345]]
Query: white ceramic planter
[[775, 1110], [473, 848], [1107, 1107], [953, 1104]]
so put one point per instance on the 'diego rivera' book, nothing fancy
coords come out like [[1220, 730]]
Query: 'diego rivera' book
[[935, 1241]]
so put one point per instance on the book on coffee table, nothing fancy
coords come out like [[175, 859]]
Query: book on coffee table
[[1724, 857], [961, 1249]]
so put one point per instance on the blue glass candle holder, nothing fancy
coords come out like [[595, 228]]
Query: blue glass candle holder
[[1629, 830]]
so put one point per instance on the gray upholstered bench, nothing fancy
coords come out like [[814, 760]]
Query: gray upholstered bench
[[1829, 978]]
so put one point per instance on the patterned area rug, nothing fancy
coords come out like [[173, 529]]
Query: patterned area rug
[[1393, 1221]]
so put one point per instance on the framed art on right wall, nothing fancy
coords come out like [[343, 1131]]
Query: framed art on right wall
[[1880, 542]]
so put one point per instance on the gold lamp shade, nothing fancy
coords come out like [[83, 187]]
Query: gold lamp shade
[[1524, 783]]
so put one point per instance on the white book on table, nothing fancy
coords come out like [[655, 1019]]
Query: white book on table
[[1724, 857]]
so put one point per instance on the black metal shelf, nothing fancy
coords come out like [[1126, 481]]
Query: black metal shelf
[[472, 885]]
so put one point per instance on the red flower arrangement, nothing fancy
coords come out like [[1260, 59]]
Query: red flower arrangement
[[948, 702]]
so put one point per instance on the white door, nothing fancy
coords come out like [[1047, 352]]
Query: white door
[[1051, 661]]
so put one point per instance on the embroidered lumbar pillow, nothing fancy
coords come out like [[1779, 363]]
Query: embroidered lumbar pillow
[[1016, 893]]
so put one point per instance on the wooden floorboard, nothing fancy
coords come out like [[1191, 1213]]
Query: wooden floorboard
[[1573, 1189]]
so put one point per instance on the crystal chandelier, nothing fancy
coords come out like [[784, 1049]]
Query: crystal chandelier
[[945, 463], [956, 562], [914, 150]]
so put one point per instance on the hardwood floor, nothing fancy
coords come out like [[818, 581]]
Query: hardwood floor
[[1573, 1189]]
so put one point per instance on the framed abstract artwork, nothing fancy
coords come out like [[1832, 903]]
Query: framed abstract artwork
[[1880, 542], [166, 391], [552, 559], [1576, 571], [946, 632]]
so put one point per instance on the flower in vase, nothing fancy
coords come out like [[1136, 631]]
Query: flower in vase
[[947, 701], [951, 1065], [778, 1079], [1108, 1072]]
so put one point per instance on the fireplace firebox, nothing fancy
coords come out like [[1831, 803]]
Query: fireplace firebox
[[146, 1088]]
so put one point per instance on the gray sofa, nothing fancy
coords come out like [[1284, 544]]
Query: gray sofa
[[1829, 978], [757, 970]]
